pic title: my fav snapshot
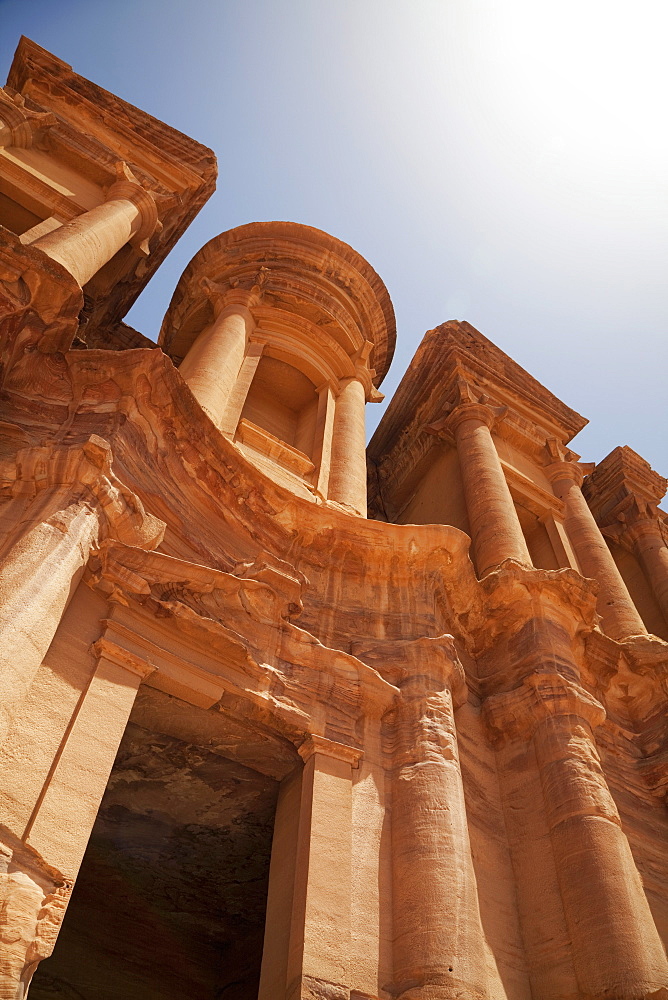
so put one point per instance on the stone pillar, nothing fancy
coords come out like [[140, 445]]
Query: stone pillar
[[86, 243], [239, 393], [347, 472], [33, 898], [438, 937], [616, 950], [496, 532], [644, 533], [620, 619], [73, 500], [322, 445], [307, 936], [212, 365]]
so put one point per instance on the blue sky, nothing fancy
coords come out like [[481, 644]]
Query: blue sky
[[500, 161]]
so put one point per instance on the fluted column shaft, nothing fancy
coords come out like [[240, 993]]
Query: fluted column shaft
[[496, 532], [85, 244], [651, 551], [619, 615], [347, 473], [211, 366], [438, 937]]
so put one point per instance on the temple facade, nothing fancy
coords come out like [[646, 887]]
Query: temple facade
[[283, 717]]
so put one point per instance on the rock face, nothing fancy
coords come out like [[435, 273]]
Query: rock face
[[286, 721]]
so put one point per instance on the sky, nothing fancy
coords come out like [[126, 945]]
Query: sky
[[499, 161]]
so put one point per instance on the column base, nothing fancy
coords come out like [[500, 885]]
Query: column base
[[454, 989]]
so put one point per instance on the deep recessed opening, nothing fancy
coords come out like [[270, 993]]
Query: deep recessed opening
[[171, 897]]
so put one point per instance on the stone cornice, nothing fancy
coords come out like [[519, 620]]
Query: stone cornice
[[233, 643], [623, 492], [621, 474], [454, 351]]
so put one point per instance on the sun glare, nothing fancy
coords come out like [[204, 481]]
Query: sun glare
[[591, 75]]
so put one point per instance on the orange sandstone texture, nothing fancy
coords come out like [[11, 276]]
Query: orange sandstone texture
[[284, 719]]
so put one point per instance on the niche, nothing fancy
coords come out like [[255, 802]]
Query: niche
[[283, 402]]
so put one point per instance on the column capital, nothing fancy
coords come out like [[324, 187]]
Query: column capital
[[632, 521], [568, 469], [235, 296], [104, 649], [128, 187], [516, 714], [329, 748], [18, 124], [468, 404], [418, 667], [365, 377]]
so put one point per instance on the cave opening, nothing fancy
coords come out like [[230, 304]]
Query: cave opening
[[171, 896]]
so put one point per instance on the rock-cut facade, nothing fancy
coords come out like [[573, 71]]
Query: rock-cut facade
[[283, 716]]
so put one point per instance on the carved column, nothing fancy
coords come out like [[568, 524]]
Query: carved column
[[438, 938], [32, 906], [322, 444], [74, 499], [620, 618], [616, 950], [496, 532], [643, 530], [307, 936], [212, 365], [86, 243], [347, 472]]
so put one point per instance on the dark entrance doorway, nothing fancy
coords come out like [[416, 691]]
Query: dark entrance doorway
[[170, 900]]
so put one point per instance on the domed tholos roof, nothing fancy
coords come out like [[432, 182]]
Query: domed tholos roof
[[306, 276]]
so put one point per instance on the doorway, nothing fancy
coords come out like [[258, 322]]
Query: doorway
[[171, 896]]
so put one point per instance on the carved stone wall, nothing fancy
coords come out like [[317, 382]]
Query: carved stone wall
[[432, 740]]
